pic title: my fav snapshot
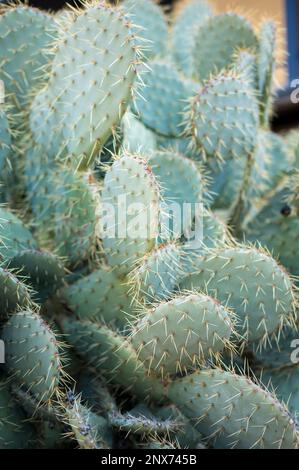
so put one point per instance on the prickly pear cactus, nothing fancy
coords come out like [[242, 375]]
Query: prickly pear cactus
[[22, 61], [217, 39], [205, 329], [184, 30], [228, 102], [131, 195], [149, 226], [236, 400], [259, 290], [149, 25], [32, 354], [15, 432], [103, 78]]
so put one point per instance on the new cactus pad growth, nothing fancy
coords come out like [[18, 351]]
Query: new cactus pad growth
[[149, 228]]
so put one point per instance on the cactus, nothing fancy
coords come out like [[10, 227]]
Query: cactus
[[125, 121], [76, 217], [187, 436], [279, 356], [106, 70], [88, 429], [95, 393], [136, 423], [184, 190], [293, 145], [227, 180], [221, 35], [286, 386], [259, 290], [14, 236], [266, 67], [5, 152], [112, 355], [157, 275], [101, 295], [227, 101], [130, 183], [215, 233], [137, 138], [39, 175], [14, 294], [15, 432], [232, 411], [184, 29], [32, 354], [149, 26], [245, 63], [276, 224], [205, 330], [43, 271], [163, 99], [22, 62], [46, 420]]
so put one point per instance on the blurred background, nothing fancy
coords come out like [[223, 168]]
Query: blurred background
[[286, 12]]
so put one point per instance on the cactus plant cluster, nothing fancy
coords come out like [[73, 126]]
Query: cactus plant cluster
[[149, 229]]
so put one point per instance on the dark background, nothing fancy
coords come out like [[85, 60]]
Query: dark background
[[57, 4]]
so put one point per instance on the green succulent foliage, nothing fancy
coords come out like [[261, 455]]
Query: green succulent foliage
[[136, 422], [112, 355], [76, 216], [267, 173], [22, 62], [46, 420], [15, 432], [14, 294], [137, 138], [95, 393], [272, 163], [14, 236], [32, 354], [292, 142], [226, 106], [149, 25], [155, 444], [221, 36], [42, 270], [205, 330], [90, 430], [40, 175], [102, 296], [131, 204], [187, 435], [236, 400], [158, 273], [259, 290], [280, 355], [285, 382], [245, 62], [184, 29], [266, 68], [226, 181], [5, 142], [104, 154], [82, 87], [69, 199], [164, 99], [276, 226], [178, 145], [214, 233], [183, 188], [52, 434]]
